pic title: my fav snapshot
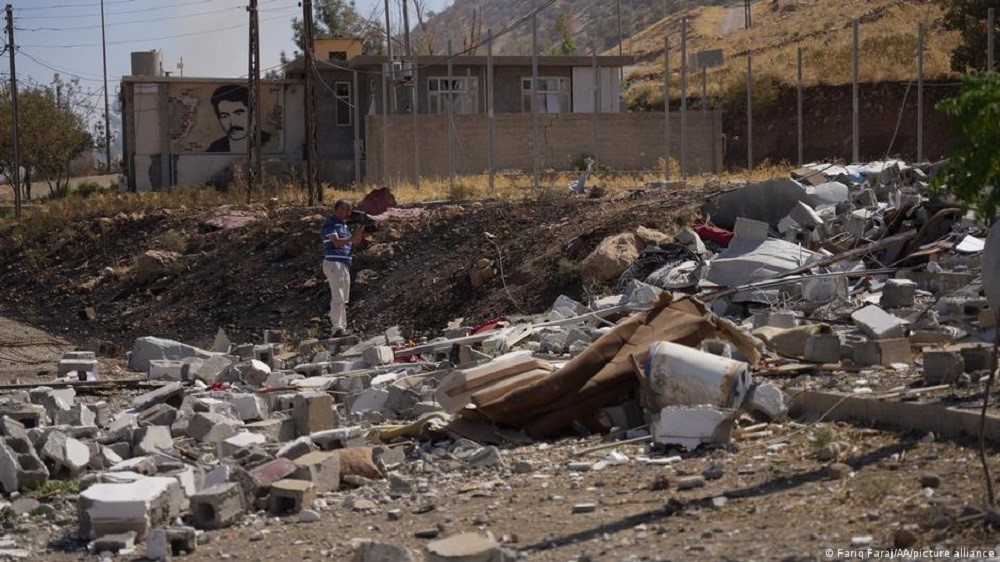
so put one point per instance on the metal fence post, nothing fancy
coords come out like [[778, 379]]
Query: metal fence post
[[415, 108], [798, 87], [666, 108], [489, 108], [451, 117], [357, 129], [534, 99], [385, 129], [598, 96], [684, 98], [856, 104], [920, 92], [749, 112]]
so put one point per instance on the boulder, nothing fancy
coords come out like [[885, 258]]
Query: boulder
[[153, 264], [611, 257]]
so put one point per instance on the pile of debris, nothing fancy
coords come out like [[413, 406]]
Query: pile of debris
[[839, 270]]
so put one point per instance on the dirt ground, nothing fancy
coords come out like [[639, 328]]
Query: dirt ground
[[771, 495]]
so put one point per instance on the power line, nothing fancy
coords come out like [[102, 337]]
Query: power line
[[97, 26], [49, 66], [126, 12], [60, 6], [148, 39]]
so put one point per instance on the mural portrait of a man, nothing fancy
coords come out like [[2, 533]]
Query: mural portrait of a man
[[230, 102]]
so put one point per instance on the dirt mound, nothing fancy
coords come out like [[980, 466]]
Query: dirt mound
[[253, 268]]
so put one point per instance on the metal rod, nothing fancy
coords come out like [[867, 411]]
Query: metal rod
[[798, 87], [534, 95], [666, 108], [107, 107], [451, 117], [749, 112], [684, 98], [357, 128], [489, 110], [415, 112], [16, 171], [385, 128], [856, 105], [920, 92]]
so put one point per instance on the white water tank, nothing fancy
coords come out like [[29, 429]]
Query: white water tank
[[147, 63]]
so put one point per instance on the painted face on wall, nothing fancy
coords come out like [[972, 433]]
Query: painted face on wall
[[233, 118]]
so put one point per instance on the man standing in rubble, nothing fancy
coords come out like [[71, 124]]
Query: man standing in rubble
[[338, 248]]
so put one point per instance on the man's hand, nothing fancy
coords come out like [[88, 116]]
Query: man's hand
[[359, 234]]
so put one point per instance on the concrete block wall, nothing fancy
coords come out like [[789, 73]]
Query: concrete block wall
[[622, 141]]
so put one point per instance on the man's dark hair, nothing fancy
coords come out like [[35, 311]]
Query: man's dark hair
[[230, 92], [340, 203]]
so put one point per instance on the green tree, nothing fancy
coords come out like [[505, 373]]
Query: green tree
[[564, 30], [972, 171], [969, 18], [51, 135]]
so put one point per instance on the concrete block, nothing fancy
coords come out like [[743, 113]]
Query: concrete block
[[255, 373], [80, 355], [138, 506], [768, 401], [76, 366], [162, 544], [148, 348], [312, 412], [78, 414], [139, 465], [877, 323], [691, 426], [29, 415], [371, 400], [229, 445], [165, 394], [20, 467], [190, 478], [291, 496], [102, 412], [264, 354], [898, 293], [219, 474], [150, 439], [65, 455], [882, 352], [212, 428], [979, 358], [378, 355], [942, 367], [217, 507], [53, 400], [823, 348], [296, 448], [320, 468], [166, 370], [158, 414], [274, 430], [367, 550], [119, 543], [213, 369], [339, 438], [249, 407]]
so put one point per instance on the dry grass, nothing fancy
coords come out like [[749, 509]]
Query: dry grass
[[888, 41]]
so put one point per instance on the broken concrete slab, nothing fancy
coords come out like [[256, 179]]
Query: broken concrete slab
[[64, 454], [898, 293], [378, 355], [165, 394], [138, 506], [465, 547], [149, 348], [322, 468], [312, 412], [942, 366], [212, 428], [291, 496], [881, 352], [690, 426], [229, 445]]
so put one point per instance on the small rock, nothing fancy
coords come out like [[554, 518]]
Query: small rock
[[430, 533], [715, 471], [930, 481], [660, 482], [259, 535], [904, 538], [839, 471], [690, 482], [579, 466], [830, 452], [862, 540], [394, 514], [585, 507], [523, 467], [308, 516], [480, 520], [362, 504], [719, 502]]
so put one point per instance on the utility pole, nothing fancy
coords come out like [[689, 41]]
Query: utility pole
[[406, 28], [254, 174], [920, 92], [747, 21], [312, 185], [388, 51], [16, 172], [107, 107]]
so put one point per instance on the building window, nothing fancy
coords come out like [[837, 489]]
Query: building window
[[552, 94], [336, 55], [462, 95], [344, 113]]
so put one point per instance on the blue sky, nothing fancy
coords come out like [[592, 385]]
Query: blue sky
[[210, 36]]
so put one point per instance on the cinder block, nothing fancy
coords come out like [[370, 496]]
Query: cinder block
[[877, 323], [979, 358], [166, 370], [274, 430], [942, 366], [823, 348], [249, 407], [67, 366], [162, 544], [229, 446], [151, 439], [104, 509], [377, 355], [212, 428], [313, 411], [217, 507], [291, 496], [321, 468], [882, 352], [898, 293]]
